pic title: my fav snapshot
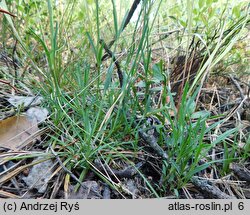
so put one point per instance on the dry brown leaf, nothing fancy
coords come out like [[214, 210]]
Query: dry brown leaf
[[15, 130]]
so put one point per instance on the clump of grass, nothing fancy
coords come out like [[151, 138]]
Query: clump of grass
[[186, 145], [89, 105]]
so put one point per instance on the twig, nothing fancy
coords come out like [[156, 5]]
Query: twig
[[7, 12], [13, 59], [110, 53], [237, 86], [243, 82], [152, 141], [242, 173], [209, 189], [8, 83], [166, 35], [13, 181], [57, 185], [130, 14], [71, 174], [128, 172]]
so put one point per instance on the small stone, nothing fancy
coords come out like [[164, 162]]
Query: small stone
[[39, 175]]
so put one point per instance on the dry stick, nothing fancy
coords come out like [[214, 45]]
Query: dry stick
[[187, 193], [242, 173], [166, 35], [13, 60], [7, 171], [130, 14], [230, 114], [110, 53], [152, 141], [14, 182], [248, 85], [209, 189], [8, 83], [7, 12], [237, 86], [243, 82], [128, 172], [71, 174], [57, 185]]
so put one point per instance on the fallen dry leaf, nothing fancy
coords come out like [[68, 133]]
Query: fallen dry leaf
[[14, 131]]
